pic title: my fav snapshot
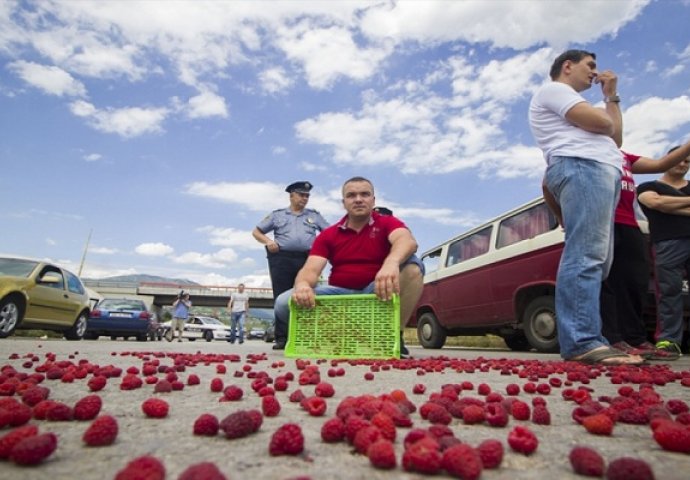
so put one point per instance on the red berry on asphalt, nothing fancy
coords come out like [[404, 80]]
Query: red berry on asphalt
[[87, 408], [523, 440], [462, 461], [145, 467], [491, 453], [381, 454], [102, 431], [206, 425], [587, 461], [287, 440], [627, 468], [33, 450], [202, 471], [155, 408]]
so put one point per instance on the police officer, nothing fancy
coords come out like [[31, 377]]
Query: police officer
[[294, 229]]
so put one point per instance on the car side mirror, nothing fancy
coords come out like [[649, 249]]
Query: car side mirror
[[51, 278]]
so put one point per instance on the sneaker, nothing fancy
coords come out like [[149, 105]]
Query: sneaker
[[645, 350], [279, 345], [404, 352], [672, 349]]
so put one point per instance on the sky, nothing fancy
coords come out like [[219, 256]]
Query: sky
[[163, 132]]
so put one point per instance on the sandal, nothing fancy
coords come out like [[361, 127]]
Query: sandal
[[607, 356]]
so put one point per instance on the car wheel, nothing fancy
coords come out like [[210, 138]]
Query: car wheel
[[192, 339], [539, 324], [79, 328], [429, 332], [208, 336], [517, 342], [90, 336], [10, 316], [141, 337]]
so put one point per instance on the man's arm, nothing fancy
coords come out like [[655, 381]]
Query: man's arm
[[263, 239], [649, 165], [664, 203], [307, 277], [387, 280], [606, 121]]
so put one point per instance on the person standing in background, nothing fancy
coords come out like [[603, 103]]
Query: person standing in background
[[294, 230], [180, 315], [239, 306]]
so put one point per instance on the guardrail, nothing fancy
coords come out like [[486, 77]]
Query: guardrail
[[169, 288]]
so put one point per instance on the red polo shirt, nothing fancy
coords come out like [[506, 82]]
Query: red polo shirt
[[355, 257]]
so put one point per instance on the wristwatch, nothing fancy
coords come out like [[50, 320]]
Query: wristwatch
[[613, 98]]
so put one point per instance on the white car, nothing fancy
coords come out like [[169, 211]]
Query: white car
[[208, 328]]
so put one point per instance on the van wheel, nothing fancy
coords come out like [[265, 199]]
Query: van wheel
[[429, 332], [517, 342], [539, 324]]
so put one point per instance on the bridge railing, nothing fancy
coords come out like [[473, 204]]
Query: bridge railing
[[206, 290]]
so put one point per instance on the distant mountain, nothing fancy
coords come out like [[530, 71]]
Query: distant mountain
[[143, 278]]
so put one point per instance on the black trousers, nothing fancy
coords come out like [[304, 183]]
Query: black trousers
[[624, 292], [283, 267]]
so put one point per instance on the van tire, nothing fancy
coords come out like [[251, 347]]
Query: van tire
[[517, 342], [429, 332], [539, 324]]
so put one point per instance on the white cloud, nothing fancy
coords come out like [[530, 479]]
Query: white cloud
[[220, 259], [92, 157], [103, 250], [207, 104], [154, 249], [649, 125], [50, 241], [274, 80], [50, 79], [126, 122], [278, 150], [230, 237], [673, 71]]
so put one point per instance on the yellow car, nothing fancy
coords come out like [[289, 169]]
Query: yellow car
[[36, 294]]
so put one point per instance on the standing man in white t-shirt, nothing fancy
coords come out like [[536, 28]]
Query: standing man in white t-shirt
[[582, 183], [238, 305]]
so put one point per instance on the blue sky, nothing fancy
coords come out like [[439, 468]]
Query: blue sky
[[169, 129]]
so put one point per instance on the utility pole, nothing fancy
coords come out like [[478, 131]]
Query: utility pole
[[83, 257]]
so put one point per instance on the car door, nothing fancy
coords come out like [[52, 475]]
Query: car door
[[194, 328], [49, 301]]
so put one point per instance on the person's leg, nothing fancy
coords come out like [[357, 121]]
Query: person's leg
[[411, 285], [587, 192], [281, 314], [671, 256], [180, 328], [240, 325], [632, 284], [233, 326]]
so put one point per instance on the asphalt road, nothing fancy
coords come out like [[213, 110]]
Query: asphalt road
[[171, 439]]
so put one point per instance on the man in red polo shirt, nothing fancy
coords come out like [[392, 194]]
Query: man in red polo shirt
[[368, 253]]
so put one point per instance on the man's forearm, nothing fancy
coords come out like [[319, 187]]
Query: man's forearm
[[664, 203], [614, 111]]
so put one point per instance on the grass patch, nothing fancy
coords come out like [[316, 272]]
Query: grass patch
[[473, 341]]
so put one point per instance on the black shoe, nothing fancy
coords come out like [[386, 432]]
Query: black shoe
[[280, 345], [404, 352]]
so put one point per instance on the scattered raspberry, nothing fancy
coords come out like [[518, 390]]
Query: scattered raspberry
[[32, 395], [257, 419], [155, 408], [131, 382], [586, 461], [634, 416], [491, 453], [598, 424], [270, 406], [202, 471], [20, 414], [676, 406], [102, 431], [297, 396], [97, 383], [206, 425], [142, 468], [233, 393], [419, 389], [59, 412], [520, 410], [41, 409], [163, 386], [333, 430], [10, 439], [496, 415], [287, 440], [33, 450], [316, 406], [365, 437], [238, 424], [422, 457], [352, 426], [626, 468], [381, 454], [672, 436], [472, 414], [324, 390], [386, 424], [87, 408], [193, 379], [217, 385], [522, 440], [462, 461], [541, 415]]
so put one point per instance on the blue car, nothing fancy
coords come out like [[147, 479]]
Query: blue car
[[121, 317]]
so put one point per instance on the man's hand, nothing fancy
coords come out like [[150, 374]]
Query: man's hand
[[609, 82], [272, 247], [303, 295], [387, 280]]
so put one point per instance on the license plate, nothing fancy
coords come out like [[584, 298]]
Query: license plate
[[120, 314]]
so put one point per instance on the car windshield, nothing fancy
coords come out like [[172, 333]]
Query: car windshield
[[120, 304], [211, 321], [16, 267]]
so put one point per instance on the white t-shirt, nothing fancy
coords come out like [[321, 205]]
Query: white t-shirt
[[556, 136], [239, 301]]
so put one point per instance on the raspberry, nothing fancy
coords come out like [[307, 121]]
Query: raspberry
[[598, 424], [102, 431], [270, 406], [381, 454], [352, 425], [324, 390], [674, 406], [206, 425], [522, 440], [422, 457], [496, 415], [472, 414], [365, 437], [586, 461], [513, 389], [386, 424], [287, 440], [419, 389], [491, 453], [97, 383], [257, 419], [163, 386], [233, 393], [131, 382], [193, 379], [672, 436], [20, 414], [155, 408], [438, 414], [333, 430], [627, 468], [541, 416], [238, 425], [87, 408], [33, 450], [315, 406], [520, 410], [297, 396], [634, 416], [59, 412], [142, 468], [462, 461], [217, 385], [10, 439], [202, 471], [32, 395]]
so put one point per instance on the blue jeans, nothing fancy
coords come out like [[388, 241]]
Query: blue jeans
[[588, 192], [237, 323]]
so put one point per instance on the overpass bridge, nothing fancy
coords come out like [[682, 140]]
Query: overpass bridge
[[160, 295]]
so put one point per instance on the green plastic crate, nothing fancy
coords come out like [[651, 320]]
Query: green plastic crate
[[345, 326]]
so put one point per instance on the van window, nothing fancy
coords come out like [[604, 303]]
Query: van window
[[526, 224], [431, 261], [469, 247]]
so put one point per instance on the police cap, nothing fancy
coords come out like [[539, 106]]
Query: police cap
[[299, 187]]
